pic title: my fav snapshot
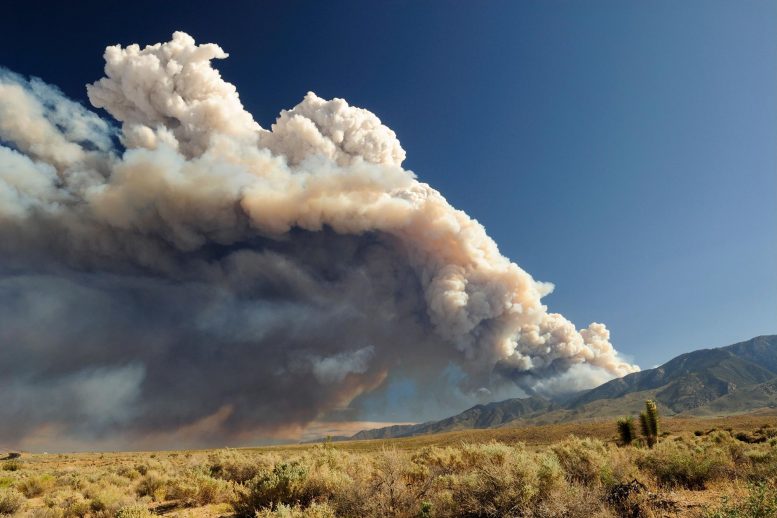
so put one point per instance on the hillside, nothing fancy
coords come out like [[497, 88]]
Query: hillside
[[726, 380], [696, 378], [490, 415]]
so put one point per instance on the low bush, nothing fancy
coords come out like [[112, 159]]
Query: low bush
[[691, 466], [129, 472], [761, 503], [45, 512], [134, 511], [11, 501], [106, 500], [281, 485], [500, 480], [573, 501], [584, 460], [285, 511], [12, 465], [34, 486], [236, 466], [390, 485], [196, 488], [76, 507], [153, 485]]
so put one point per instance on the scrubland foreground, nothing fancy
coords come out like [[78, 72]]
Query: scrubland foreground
[[698, 468]]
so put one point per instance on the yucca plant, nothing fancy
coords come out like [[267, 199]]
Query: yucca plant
[[626, 430], [648, 421], [652, 414]]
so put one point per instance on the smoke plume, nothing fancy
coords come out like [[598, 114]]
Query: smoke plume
[[194, 278]]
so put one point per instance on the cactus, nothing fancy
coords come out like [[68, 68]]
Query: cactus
[[626, 430]]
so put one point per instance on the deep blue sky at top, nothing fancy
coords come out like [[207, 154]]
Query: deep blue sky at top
[[626, 151]]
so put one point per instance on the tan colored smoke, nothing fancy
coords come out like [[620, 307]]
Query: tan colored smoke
[[325, 163], [199, 170]]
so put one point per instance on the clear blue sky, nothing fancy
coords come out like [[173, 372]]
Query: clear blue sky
[[626, 151]]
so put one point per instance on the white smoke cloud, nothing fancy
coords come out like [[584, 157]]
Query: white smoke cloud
[[198, 174], [333, 369], [335, 131], [169, 93]]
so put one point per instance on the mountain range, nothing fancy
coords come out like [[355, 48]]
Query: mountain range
[[728, 380]]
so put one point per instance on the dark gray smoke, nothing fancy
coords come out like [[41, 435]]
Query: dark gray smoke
[[195, 279]]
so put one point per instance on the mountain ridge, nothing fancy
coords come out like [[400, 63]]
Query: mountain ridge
[[732, 379]]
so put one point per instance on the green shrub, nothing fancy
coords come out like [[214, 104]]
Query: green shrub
[[12, 465], [75, 508], [128, 472], [74, 481], [390, 484], [678, 464], [315, 510], [750, 438], [44, 512], [761, 503], [761, 464], [237, 467], [134, 511], [499, 480], [584, 460], [151, 485], [196, 488], [493, 479], [425, 510], [35, 485], [98, 504], [282, 485], [328, 478]]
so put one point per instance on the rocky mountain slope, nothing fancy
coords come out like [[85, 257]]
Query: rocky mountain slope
[[735, 379]]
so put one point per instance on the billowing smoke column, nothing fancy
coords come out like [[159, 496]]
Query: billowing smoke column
[[195, 278]]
